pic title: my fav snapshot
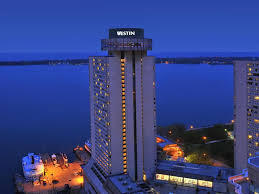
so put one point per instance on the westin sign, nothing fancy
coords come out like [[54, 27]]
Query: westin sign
[[126, 33]]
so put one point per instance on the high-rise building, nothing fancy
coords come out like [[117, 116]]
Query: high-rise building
[[246, 112], [123, 109]]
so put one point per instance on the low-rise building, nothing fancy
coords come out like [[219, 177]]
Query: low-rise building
[[204, 177], [253, 173]]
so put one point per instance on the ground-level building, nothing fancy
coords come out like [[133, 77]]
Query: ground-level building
[[253, 173], [203, 177]]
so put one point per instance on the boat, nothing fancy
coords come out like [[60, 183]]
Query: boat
[[33, 167], [88, 146]]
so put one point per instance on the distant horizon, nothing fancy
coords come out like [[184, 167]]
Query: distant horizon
[[52, 55]]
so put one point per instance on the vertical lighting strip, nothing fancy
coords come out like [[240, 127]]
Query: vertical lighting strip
[[123, 96], [142, 115], [135, 113]]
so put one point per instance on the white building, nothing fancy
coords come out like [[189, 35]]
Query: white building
[[123, 110], [246, 100]]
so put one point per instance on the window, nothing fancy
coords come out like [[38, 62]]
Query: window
[[190, 182], [176, 179], [162, 177], [203, 183]]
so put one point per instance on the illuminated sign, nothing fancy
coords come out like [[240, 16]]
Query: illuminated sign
[[126, 33]]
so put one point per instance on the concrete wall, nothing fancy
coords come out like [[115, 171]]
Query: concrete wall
[[240, 112]]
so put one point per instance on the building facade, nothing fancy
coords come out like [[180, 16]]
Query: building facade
[[122, 103], [246, 107]]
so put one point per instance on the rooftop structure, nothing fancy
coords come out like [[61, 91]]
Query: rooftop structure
[[58, 175], [33, 166], [122, 184]]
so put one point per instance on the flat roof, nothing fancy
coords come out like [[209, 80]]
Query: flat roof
[[254, 161], [166, 142], [197, 171], [124, 183]]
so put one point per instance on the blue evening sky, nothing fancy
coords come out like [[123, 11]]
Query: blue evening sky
[[174, 25]]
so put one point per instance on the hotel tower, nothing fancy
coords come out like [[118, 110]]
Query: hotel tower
[[246, 111], [123, 109]]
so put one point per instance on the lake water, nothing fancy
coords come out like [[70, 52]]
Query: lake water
[[46, 108]]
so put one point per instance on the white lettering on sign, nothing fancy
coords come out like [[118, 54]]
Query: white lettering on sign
[[126, 33]]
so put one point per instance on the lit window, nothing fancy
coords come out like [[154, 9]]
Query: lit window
[[203, 183], [256, 120], [163, 177], [250, 136], [190, 182], [250, 154], [176, 179], [256, 144], [124, 154], [256, 97]]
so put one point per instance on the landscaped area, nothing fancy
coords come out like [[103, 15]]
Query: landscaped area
[[211, 146]]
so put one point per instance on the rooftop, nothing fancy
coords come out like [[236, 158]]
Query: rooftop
[[194, 170], [254, 161], [124, 183], [162, 141]]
